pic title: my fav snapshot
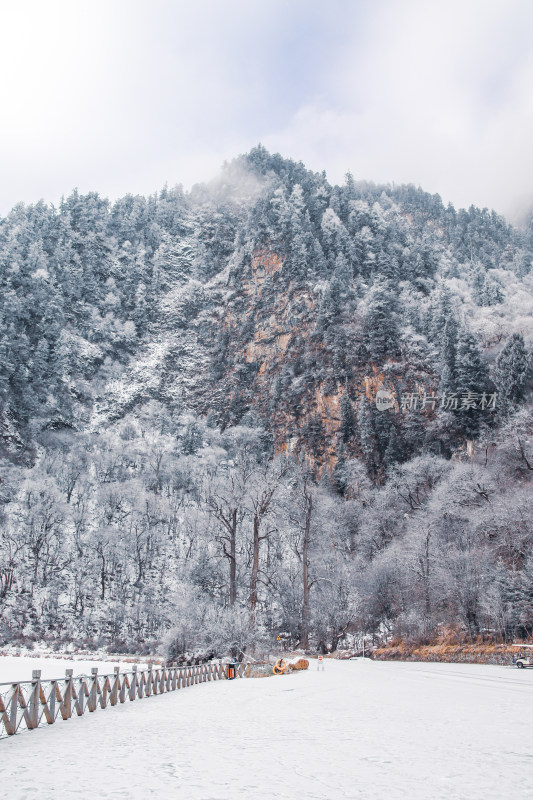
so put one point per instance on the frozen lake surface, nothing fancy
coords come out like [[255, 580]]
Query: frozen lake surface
[[357, 730], [20, 668]]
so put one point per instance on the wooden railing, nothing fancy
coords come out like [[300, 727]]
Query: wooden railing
[[30, 704]]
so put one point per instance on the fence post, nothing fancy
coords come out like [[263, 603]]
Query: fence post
[[50, 708], [13, 710], [66, 705], [5, 717], [91, 703], [150, 679], [105, 689], [80, 696], [123, 688], [33, 716], [114, 690], [133, 686]]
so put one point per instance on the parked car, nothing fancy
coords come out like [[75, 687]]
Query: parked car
[[525, 657]]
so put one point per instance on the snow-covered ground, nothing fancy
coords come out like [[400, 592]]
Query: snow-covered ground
[[357, 730]]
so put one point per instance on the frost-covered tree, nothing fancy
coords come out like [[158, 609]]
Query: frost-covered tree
[[512, 371]]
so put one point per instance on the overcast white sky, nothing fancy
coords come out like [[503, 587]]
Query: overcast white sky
[[124, 96]]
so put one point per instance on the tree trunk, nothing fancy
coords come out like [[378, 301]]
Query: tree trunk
[[255, 571], [426, 577], [229, 519], [304, 637], [233, 559]]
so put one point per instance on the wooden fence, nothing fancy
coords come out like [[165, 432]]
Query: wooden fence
[[30, 704]]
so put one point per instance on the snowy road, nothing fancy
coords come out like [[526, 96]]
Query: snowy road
[[357, 730]]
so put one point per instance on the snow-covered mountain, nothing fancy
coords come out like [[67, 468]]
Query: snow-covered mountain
[[189, 432]]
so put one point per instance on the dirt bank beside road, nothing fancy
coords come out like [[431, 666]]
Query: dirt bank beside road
[[471, 653]]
